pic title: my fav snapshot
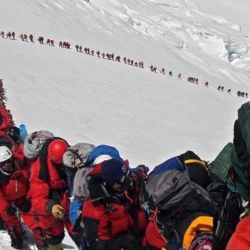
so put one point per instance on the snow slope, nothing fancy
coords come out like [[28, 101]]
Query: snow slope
[[148, 116]]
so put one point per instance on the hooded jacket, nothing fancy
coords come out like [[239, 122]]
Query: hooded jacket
[[14, 188], [47, 184]]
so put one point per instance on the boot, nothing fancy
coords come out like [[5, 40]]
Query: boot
[[58, 246], [17, 243], [16, 235]]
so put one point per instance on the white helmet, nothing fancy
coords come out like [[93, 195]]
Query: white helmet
[[5, 153]]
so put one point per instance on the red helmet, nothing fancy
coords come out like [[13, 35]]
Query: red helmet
[[56, 150]]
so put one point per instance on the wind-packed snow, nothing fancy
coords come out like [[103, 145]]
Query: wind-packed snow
[[148, 116]]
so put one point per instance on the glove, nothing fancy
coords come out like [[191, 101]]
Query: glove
[[11, 210], [25, 206], [57, 211]]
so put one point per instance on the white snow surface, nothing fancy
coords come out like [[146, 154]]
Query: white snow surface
[[148, 116]]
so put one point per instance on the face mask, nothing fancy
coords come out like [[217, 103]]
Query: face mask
[[7, 167]]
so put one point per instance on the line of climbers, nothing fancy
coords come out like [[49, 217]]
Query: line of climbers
[[112, 57], [92, 192]]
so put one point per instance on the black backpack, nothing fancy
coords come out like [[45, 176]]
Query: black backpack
[[171, 187]]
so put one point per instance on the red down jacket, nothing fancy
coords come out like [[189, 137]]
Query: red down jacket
[[240, 239], [15, 189], [112, 221], [44, 192]]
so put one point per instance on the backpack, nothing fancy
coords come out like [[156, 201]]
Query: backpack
[[89, 156], [241, 153], [34, 143], [77, 155], [80, 185], [221, 167], [227, 220], [244, 123], [101, 151], [169, 187], [193, 232]]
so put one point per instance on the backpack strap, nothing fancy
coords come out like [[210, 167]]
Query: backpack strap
[[157, 223], [201, 162], [227, 220]]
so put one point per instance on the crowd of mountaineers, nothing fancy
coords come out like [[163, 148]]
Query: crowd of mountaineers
[[112, 57], [184, 203]]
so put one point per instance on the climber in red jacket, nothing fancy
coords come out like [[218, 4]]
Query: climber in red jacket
[[48, 194], [14, 186], [111, 219], [240, 239]]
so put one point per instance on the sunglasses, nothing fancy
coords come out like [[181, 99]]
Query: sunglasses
[[124, 178]]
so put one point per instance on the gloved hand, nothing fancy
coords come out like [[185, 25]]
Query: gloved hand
[[11, 210], [57, 211], [25, 206]]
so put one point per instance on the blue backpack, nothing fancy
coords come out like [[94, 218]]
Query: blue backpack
[[103, 150]]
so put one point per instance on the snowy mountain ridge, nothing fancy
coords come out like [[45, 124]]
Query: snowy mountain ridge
[[148, 116]]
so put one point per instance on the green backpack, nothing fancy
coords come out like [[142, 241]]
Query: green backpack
[[222, 165], [241, 154], [236, 156]]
